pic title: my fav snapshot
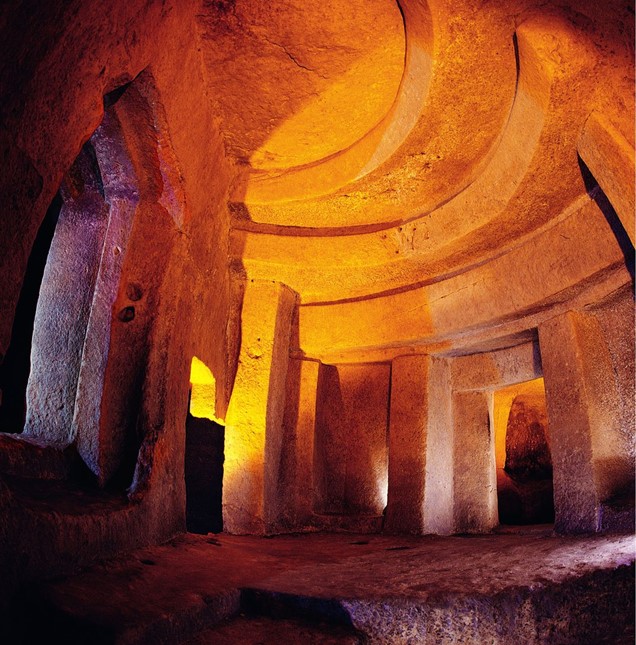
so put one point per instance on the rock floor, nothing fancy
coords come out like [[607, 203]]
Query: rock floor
[[526, 586]]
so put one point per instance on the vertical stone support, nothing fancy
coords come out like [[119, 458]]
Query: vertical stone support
[[408, 425], [253, 434], [101, 443], [475, 485], [588, 461], [294, 497], [330, 444], [438, 487], [61, 317]]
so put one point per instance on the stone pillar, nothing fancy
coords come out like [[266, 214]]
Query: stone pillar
[[254, 421], [102, 440], [100, 443], [421, 440], [408, 425], [438, 488], [588, 463], [475, 484], [331, 444], [61, 317], [294, 496]]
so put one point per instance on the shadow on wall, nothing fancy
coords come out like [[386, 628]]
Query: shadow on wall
[[597, 194]]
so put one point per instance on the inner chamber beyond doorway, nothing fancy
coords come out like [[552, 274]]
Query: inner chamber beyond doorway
[[522, 453]]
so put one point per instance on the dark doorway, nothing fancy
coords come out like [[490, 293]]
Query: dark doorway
[[204, 475]]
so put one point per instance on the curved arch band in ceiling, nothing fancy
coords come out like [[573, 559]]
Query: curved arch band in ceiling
[[323, 176], [337, 267]]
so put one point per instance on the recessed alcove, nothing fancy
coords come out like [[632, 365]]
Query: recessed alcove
[[351, 440], [70, 328], [522, 454]]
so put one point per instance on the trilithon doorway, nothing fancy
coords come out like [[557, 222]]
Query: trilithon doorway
[[524, 462]]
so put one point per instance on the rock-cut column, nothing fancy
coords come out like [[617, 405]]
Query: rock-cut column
[[293, 450], [408, 425], [475, 484], [421, 440], [254, 422], [62, 313], [589, 459]]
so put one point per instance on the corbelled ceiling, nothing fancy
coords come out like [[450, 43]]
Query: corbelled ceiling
[[390, 155]]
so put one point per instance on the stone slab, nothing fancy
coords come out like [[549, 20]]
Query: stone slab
[[525, 586]]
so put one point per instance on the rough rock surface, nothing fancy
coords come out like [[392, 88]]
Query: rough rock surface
[[529, 587], [285, 190]]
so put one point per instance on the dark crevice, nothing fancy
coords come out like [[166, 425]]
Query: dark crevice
[[604, 204], [112, 97]]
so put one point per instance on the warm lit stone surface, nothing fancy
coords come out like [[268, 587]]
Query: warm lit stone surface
[[590, 462], [610, 157], [617, 326], [530, 587], [366, 220], [295, 496], [253, 432], [474, 486], [408, 429], [318, 76], [351, 448], [439, 488]]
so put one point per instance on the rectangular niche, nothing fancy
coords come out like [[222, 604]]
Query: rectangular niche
[[351, 448]]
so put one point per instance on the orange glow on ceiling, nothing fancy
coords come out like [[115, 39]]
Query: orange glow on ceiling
[[340, 113], [319, 75]]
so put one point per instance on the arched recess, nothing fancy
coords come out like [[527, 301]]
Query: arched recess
[[94, 327]]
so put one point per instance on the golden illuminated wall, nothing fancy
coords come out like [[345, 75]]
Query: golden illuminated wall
[[439, 185], [202, 392], [329, 188]]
